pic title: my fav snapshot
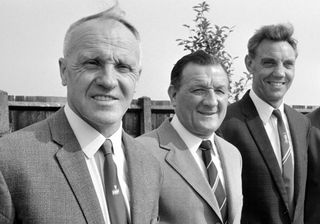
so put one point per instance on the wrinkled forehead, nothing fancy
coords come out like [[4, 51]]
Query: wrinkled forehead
[[198, 73], [110, 33]]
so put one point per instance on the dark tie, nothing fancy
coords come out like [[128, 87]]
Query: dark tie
[[214, 180], [287, 160], [115, 201]]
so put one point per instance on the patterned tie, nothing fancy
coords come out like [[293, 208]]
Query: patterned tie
[[287, 160], [214, 180], [114, 197]]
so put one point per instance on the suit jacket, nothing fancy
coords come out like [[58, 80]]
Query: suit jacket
[[312, 202], [314, 117], [44, 177], [264, 194], [186, 196]]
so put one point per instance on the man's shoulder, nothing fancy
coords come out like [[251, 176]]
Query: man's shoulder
[[24, 146], [235, 115], [228, 146], [36, 131], [314, 116], [149, 136], [29, 139], [239, 108], [294, 115], [154, 135]]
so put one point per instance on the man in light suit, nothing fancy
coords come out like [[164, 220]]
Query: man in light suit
[[312, 202], [198, 91], [52, 171], [273, 144]]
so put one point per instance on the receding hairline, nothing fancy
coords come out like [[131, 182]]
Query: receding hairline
[[100, 17]]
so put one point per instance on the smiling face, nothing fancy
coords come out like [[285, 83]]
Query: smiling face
[[100, 72], [273, 69], [202, 98]]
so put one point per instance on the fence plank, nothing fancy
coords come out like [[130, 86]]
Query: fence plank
[[4, 113], [145, 115]]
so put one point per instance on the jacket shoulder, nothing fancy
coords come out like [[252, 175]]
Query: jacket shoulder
[[229, 146], [37, 132], [314, 117]]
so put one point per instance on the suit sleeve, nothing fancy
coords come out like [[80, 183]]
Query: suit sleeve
[[6, 205]]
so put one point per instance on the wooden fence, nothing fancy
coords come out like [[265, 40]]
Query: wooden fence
[[143, 115], [17, 112]]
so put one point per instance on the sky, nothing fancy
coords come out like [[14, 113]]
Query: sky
[[32, 33]]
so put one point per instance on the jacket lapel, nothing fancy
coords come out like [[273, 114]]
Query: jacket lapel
[[73, 165], [261, 138], [181, 160], [228, 164], [137, 182], [300, 155]]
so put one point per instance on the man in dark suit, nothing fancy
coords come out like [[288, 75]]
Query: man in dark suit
[[271, 137], [312, 202], [190, 194], [60, 170]]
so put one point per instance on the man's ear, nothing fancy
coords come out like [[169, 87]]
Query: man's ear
[[172, 92], [248, 60], [63, 71]]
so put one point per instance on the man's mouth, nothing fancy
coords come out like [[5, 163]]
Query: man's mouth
[[208, 113], [276, 84], [104, 97]]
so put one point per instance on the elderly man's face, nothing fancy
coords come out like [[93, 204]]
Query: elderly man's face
[[273, 70], [100, 72], [201, 101]]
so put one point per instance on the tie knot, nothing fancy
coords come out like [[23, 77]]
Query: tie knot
[[206, 145], [277, 113], [106, 147]]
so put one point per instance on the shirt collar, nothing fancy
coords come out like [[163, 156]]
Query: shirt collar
[[193, 142], [264, 109], [89, 138]]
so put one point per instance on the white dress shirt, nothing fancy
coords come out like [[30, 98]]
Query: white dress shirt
[[193, 142], [90, 141], [270, 124]]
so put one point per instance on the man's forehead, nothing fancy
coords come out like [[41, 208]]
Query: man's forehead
[[198, 72], [102, 26], [269, 47], [103, 33], [199, 69]]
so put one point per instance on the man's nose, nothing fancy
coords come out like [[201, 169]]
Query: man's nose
[[279, 71], [211, 98], [107, 77]]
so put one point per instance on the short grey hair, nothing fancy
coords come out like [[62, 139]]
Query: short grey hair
[[114, 13]]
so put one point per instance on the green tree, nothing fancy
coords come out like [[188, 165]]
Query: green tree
[[211, 38]]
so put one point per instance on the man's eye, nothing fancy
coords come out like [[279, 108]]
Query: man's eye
[[289, 65], [220, 91], [199, 91], [123, 68], [92, 63], [268, 63]]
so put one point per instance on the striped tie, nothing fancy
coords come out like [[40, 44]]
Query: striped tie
[[214, 180], [114, 197], [287, 160]]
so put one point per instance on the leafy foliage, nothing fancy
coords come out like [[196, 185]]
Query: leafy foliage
[[211, 38]]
